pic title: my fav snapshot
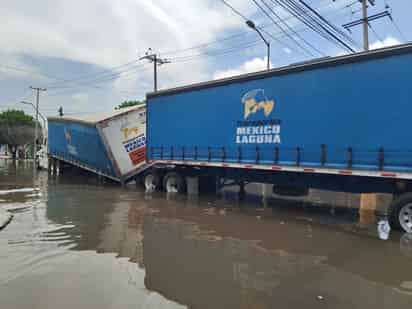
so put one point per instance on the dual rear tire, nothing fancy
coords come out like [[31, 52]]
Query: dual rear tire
[[171, 182], [400, 213]]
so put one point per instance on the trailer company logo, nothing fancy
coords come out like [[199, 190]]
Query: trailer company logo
[[127, 132], [254, 101], [257, 131]]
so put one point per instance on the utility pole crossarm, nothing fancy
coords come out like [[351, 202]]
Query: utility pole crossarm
[[364, 21], [157, 61]]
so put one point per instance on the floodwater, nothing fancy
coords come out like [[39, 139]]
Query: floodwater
[[77, 243]]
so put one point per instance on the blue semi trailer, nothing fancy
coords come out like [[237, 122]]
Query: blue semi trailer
[[337, 124], [112, 145]]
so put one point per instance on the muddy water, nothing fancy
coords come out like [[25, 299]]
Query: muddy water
[[77, 243]]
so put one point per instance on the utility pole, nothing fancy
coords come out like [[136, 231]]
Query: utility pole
[[365, 25], [365, 20], [157, 61], [37, 89]]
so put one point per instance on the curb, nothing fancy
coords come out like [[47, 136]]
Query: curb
[[5, 218]]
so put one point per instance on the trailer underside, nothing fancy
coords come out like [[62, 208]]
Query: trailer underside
[[353, 181]]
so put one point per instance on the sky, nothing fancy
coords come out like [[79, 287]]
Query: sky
[[86, 53]]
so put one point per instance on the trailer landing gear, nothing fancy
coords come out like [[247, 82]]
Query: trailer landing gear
[[400, 213]]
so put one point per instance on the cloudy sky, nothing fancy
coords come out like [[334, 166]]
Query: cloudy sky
[[86, 53]]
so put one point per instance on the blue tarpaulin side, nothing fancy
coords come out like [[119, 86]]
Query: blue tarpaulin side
[[80, 143], [358, 111]]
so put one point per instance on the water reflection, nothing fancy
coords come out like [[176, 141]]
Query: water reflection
[[215, 261], [75, 243]]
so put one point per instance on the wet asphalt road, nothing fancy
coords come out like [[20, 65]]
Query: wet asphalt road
[[77, 243]]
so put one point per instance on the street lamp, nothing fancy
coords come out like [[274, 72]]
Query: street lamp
[[252, 26], [35, 133], [41, 116]]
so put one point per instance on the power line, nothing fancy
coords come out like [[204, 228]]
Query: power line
[[300, 14], [109, 70], [281, 28], [99, 77], [26, 95], [376, 34], [222, 52], [234, 10], [259, 28], [104, 79], [313, 22], [328, 23], [203, 45], [70, 88], [399, 30], [292, 30], [181, 59], [236, 35], [18, 69], [129, 69], [107, 74]]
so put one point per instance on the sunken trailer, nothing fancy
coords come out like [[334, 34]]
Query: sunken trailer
[[339, 124], [112, 145]]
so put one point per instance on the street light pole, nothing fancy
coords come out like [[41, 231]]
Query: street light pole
[[252, 26], [40, 114], [37, 89]]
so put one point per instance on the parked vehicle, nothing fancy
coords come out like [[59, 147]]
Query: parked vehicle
[[336, 124], [112, 145]]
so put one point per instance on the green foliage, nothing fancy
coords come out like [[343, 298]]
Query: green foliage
[[13, 116], [130, 104]]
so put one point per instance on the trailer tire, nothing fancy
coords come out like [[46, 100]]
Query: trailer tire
[[150, 181], [400, 213], [174, 182]]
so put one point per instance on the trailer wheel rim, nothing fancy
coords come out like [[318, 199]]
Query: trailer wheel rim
[[171, 184], [149, 182], [405, 217]]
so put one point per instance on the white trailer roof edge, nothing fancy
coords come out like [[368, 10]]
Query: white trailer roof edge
[[98, 117]]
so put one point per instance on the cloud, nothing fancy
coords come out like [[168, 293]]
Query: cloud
[[106, 32], [389, 41], [254, 65], [13, 68], [98, 34]]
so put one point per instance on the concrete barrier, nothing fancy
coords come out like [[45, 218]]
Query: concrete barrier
[[5, 218]]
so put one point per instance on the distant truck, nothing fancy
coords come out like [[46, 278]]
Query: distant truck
[[339, 124], [112, 145]]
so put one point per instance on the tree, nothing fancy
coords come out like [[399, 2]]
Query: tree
[[130, 104], [16, 128], [13, 116]]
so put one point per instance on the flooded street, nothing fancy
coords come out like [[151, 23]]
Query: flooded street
[[76, 243]]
